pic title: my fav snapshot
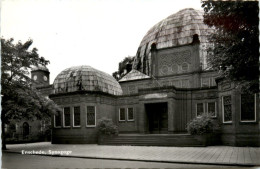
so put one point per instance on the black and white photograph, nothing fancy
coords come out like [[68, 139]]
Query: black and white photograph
[[130, 84]]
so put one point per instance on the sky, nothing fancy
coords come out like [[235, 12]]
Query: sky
[[98, 33]]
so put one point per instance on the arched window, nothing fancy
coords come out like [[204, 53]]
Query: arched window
[[195, 38], [153, 47]]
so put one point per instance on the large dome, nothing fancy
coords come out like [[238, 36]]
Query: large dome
[[85, 78], [177, 29]]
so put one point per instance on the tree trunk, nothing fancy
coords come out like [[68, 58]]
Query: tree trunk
[[3, 132]]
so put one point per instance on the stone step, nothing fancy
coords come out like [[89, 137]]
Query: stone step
[[149, 144], [150, 140], [153, 139]]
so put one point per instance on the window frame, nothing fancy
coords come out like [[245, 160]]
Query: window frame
[[119, 116], [215, 108], [87, 116], [222, 105], [64, 118], [248, 121], [203, 105], [133, 114], [73, 122]]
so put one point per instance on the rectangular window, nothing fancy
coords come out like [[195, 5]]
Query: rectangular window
[[212, 109], [199, 109], [130, 114], [76, 117], [57, 119], [91, 116], [248, 112], [122, 116], [227, 109], [66, 116]]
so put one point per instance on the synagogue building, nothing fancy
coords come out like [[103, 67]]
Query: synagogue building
[[169, 85]]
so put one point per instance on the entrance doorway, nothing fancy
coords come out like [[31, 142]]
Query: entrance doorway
[[26, 130], [157, 114]]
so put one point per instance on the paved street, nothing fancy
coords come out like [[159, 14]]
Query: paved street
[[224, 155], [18, 161]]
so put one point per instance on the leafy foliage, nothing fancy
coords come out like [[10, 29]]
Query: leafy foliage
[[106, 127], [19, 99], [235, 43], [17, 60], [202, 125], [124, 67]]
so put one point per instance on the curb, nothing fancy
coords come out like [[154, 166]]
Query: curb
[[142, 160]]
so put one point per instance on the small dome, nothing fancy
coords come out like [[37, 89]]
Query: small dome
[[85, 78], [40, 67], [177, 29]]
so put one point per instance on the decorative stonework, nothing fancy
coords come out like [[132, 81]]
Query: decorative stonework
[[166, 83], [175, 30], [176, 83], [175, 68], [174, 63], [185, 83], [164, 70], [185, 67]]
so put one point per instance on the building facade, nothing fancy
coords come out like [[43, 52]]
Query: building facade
[[170, 84]]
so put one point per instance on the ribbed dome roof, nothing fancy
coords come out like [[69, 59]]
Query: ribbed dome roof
[[177, 29], [85, 78]]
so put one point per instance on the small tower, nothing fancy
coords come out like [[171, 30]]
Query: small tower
[[40, 75]]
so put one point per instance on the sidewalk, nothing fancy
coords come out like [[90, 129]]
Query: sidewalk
[[222, 155]]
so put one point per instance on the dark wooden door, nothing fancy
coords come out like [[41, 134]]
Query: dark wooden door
[[157, 118]]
